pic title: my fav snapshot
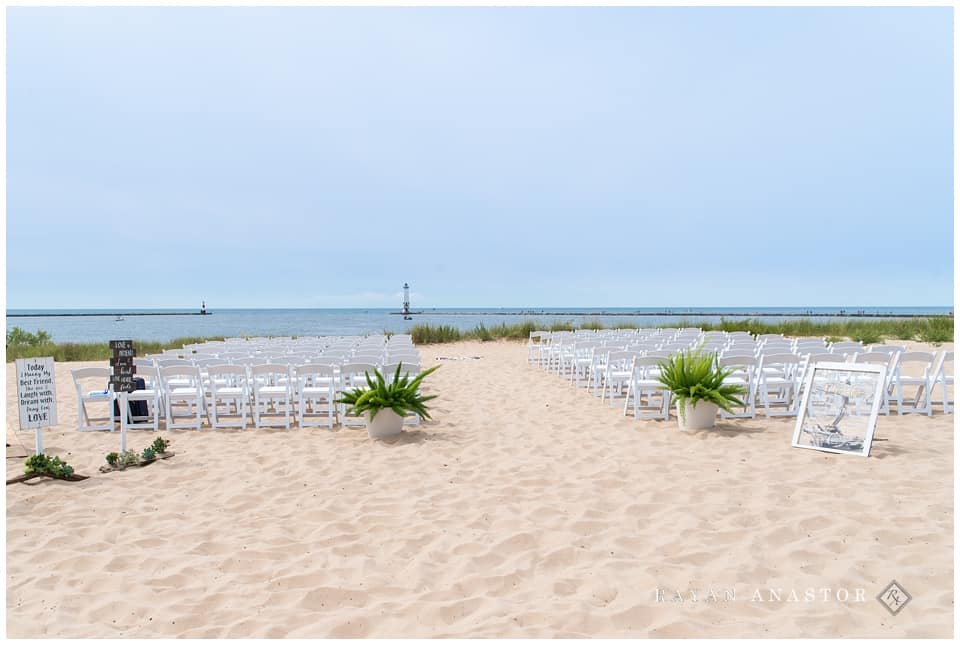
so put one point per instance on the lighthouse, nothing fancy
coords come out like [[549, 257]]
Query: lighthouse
[[406, 299]]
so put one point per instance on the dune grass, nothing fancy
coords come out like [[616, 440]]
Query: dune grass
[[934, 330], [22, 344]]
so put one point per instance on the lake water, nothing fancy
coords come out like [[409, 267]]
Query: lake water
[[327, 322]]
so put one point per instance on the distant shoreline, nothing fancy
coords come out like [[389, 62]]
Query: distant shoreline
[[691, 314]]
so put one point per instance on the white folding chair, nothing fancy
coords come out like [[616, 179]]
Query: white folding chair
[[168, 362], [272, 395], [152, 395], [534, 346], [182, 396], [846, 347], [229, 394], [316, 393], [88, 381], [582, 359], [885, 349], [777, 382], [651, 398], [744, 366], [915, 369], [943, 376], [617, 373], [353, 377], [598, 367], [890, 361]]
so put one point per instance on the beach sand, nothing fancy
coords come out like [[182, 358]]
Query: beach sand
[[527, 508]]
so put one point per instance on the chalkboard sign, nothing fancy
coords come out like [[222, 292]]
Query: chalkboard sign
[[122, 363]]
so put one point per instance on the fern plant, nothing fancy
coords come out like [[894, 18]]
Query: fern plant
[[694, 376], [402, 395]]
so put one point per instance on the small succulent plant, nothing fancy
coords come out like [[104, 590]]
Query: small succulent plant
[[128, 458], [112, 459], [43, 465], [160, 445], [149, 454]]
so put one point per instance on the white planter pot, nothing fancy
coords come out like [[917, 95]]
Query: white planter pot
[[700, 416], [386, 424]]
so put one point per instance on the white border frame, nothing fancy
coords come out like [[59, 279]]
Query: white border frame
[[880, 370]]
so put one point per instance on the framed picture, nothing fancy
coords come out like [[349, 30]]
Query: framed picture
[[838, 411]]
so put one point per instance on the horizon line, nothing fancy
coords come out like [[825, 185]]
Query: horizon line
[[494, 307]]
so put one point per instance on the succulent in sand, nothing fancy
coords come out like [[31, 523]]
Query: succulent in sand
[[44, 465], [128, 458], [160, 445]]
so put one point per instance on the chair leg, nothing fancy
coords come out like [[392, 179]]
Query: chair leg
[[300, 410]]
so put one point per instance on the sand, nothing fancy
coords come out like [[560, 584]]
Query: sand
[[525, 509]]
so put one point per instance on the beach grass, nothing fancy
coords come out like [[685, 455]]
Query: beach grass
[[934, 330], [424, 334], [26, 345]]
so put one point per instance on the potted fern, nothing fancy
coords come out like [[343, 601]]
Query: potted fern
[[385, 405], [696, 381]]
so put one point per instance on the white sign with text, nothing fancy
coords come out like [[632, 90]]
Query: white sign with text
[[36, 392]]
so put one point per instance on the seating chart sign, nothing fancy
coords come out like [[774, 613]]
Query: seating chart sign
[[122, 364], [838, 412]]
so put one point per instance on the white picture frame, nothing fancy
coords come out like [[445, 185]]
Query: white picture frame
[[839, 407]]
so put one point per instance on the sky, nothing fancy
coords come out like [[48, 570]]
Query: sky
[[490, 157]]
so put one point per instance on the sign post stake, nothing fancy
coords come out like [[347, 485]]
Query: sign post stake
[[123, 426]]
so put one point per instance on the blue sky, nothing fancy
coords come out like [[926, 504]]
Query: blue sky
[[320, 157]]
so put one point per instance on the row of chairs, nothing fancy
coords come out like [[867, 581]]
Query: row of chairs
[[771, 368], [775, 382], [554, 348], [226, 395], [375, 349]]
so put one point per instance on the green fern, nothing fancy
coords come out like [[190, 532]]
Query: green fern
[[694, 376], [402, 395]]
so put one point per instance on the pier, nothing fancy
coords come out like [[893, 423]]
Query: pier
[[144, 313]]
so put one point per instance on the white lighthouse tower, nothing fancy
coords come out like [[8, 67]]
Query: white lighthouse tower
[[406, 299]]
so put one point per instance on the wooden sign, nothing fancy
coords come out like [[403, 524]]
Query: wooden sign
[[123, 367], [37, 394]]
